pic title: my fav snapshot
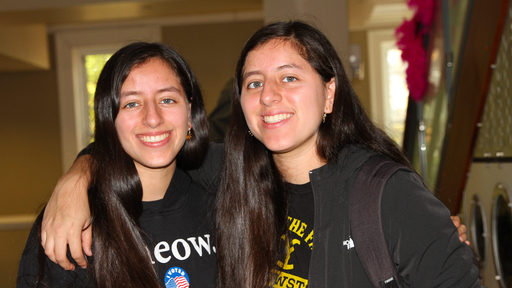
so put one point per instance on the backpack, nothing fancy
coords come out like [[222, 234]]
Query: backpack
[[366, 222]]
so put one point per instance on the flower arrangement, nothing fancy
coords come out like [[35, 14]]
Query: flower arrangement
[[411, 38]]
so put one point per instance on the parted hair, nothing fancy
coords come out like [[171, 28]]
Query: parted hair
[[252, 202], [121, 258], [120, 255]]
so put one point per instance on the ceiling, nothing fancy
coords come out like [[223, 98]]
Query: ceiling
[[54, 12], [362, 13], [24, 24]]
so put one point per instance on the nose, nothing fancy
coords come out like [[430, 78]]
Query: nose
[[152, 115], [270, 94]]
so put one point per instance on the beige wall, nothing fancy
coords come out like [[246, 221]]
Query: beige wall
[[212, 51], [30, 161], [362, 87]]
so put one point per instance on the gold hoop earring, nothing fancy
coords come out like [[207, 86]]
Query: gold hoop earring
[[323, 118], [189, 134]]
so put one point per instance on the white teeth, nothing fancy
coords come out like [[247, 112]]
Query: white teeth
[[276, 118], [153, 139]]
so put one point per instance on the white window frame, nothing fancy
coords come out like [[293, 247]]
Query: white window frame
[[379, 42], [71, 45]]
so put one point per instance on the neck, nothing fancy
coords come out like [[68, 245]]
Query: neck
[[295, 166], [155, 181]]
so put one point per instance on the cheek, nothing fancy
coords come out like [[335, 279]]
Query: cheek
[[249, 104], [319, 102], [179, 119], [123, 126], [248, 110]]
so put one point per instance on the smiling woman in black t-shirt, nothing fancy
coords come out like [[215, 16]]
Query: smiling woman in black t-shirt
[[150, 120]]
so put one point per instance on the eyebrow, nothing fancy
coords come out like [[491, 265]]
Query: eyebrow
[[289, 66], [282, 67], [171, 89]]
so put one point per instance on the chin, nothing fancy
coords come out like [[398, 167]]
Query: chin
[[276, 147], [157, 163]]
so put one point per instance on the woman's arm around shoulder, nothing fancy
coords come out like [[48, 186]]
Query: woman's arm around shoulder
[[67, 218]]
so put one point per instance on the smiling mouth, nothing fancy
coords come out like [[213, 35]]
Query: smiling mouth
[[276, 118], [154, 139]]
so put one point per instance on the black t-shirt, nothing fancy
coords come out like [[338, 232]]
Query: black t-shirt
[[295, 268], [181, 245], [181, 229]]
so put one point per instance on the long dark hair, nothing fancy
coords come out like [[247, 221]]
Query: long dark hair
[[121, 257], [252, 204], [115, 194]]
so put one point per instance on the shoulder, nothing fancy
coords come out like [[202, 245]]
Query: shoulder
[[207, 176], [405, 195], [194, 194], [407, 185], [353, 156], [348, 164], [336, 178], [215, 154], [417, 223], [182, 186]]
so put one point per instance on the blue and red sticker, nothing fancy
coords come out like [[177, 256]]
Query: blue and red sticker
[[176, 277]]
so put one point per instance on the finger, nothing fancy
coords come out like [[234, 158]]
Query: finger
[[49, 249], [87, 241], [456, 220], [61, 256], [75, 247], [43, 239], [462, 234], [44, 225], [462, 229]]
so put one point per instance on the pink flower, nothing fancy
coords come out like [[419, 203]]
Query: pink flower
[[410, 39]]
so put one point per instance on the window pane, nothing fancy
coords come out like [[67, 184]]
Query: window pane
[[93, 65], [397, 96]]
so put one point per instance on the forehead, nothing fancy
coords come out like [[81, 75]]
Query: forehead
[[154, 65], [154, 71], [150, 77], [274, 52]]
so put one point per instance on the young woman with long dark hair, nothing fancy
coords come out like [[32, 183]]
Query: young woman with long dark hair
[[147, 215], [297, 139]]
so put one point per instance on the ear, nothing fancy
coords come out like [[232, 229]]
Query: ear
[[330, 89], [189, 116]]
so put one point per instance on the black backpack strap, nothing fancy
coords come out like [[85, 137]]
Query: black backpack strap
[[366, 222]]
